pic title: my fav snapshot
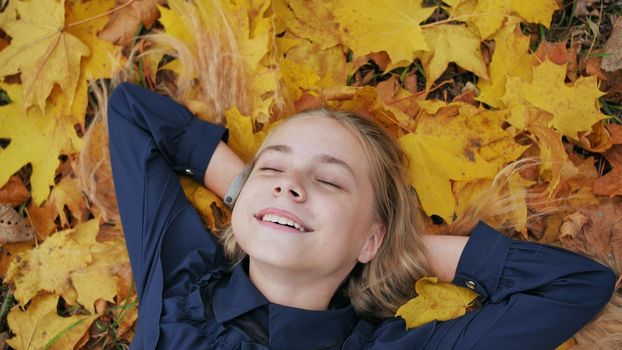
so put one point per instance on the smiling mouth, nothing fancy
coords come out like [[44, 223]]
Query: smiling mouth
[[281, 222]]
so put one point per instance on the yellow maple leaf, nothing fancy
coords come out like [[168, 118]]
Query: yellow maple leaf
[[366, 27], [40, 326], [452, 43], [328, 64], [575, 107], [60, 254], [242, 140], [446, 146], [99, 279], [36, 139], [487, 16], [511, 58], [297, 77], [366, 101], [83, 23], [313, 20], [435, 301], [70, 263], [42, 51]]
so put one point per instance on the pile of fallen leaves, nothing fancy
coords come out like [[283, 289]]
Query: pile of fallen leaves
[[467, 86]]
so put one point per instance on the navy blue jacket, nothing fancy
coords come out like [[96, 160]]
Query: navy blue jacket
[[533, 296]]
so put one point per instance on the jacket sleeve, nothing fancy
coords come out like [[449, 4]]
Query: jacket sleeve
[[152, 139], [533, 296]]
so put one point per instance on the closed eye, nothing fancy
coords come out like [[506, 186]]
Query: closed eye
[[328, 183], [271, 169]]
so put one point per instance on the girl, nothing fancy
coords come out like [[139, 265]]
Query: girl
[[322, 247]]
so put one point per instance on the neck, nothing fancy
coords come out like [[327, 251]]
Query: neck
[[292, 289]]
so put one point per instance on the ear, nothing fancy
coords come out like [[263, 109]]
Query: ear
[[373, 243]]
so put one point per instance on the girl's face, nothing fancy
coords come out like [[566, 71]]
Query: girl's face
[[307, 206]]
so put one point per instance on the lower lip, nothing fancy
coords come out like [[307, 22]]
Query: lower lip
[[280, 227]]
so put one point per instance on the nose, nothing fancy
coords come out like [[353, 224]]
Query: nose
[[290, 186]]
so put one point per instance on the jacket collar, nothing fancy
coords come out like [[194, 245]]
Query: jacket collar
[[286, 325]]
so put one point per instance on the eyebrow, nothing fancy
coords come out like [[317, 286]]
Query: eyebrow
[[323, 158]]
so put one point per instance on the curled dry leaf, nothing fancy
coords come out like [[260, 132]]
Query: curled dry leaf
[[124, 22], [612, 60], [14, 192], [14, 228], [611, 183], [586, 8], [596, 231], [615, 130]]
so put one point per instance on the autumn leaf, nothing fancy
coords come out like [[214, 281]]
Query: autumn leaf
[[611, 183], [242, 139], [36, 139], [60, 254], [42, 51], [575, 106], [366, 27], [452, 43], [487, 16], [72, 264], [40, 327], [313, 20], [212, 210], [123, 24], [511, 58], [447, 146], [84, 21], [435, 301]]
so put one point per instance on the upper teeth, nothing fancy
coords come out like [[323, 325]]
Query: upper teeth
[[283, 221]]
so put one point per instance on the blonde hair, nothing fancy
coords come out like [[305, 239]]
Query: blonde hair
[[378, 288]]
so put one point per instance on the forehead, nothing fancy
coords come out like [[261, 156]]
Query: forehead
[[315, 134]]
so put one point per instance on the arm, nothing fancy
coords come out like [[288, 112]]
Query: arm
[[152, 139], [221, 170], [534, 296], [443, 254]]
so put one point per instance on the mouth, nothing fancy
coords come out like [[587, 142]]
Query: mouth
[[281, 219]]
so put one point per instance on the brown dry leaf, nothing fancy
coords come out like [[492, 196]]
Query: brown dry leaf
[[68, 193], [593, 67], [598, 140], [14, 192], [124, 23], [14, 228], [42, 219], [214, 214], [616, 133], [611, 183], [581, 8], [612, 59], [558, 53], [596, 231]]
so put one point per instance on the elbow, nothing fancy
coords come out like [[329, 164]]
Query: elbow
[[603, 286], [609, 284], [118, 99]]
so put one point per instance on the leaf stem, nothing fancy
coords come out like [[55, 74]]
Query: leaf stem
[[460, 18], [103, 14]]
